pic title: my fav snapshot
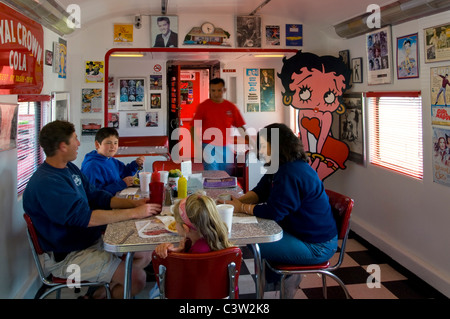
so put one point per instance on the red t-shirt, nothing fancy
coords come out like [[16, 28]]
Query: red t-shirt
[[218, 115]]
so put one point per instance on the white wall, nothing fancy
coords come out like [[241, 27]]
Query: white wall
[[406, 218]]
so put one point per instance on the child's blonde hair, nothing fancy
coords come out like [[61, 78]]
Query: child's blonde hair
[[202, 213]]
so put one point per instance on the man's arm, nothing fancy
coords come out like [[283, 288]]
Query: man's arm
[[103, 217]]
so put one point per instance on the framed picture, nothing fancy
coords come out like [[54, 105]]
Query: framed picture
[[439, 95], [132, 93], [94, 71], [407, 57], [60, 106], [357, 75], [155, 100], [345, 54], [123, 34], [248, 31], [164, 31], [48, 57], [273, 35], [351, 126], [437, 43], [8, 126], [379, 56], [294, 35]]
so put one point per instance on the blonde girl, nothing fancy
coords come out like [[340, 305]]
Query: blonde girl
[[199, 222]]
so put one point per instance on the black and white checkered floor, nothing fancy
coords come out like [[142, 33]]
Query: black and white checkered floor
[[396, 281]]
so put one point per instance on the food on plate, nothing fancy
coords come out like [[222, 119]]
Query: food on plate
[[172, 226]]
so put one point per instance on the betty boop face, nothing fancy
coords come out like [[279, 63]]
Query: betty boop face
[[316, 90]]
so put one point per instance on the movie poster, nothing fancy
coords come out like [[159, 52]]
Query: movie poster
[[441, 155]]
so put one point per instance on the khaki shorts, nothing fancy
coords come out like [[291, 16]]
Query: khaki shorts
[[95, 264]]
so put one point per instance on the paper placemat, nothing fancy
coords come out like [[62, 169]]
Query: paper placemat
[[244, 220]]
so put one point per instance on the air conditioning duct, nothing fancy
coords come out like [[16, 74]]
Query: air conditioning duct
[[48, 13], [398, 12]]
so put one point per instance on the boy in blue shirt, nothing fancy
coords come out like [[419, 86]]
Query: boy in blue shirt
[[103, 170]]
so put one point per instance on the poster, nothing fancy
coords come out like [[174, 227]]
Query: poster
[[91, 100], [294, 35], [21, 53], [123, 34], [164, 31], [113, 120], [94, 71], [155, 102], [132, 120], [267, 90], [351, 126], [132, 94], [8, 126], [437, 43], [251, 82], [440, 95], [407, 57], [156, 82], [441, 155], [90, 126], [151, 119], [273, 35], [379, 56], [60, 52]]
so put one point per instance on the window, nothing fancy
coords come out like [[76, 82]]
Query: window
[[29, 154], [395, 131]]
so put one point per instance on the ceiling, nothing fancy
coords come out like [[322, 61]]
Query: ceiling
[[322, 14]]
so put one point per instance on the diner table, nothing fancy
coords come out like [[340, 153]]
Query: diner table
[[123, 237]]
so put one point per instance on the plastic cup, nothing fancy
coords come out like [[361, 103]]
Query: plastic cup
[[226, 213], [164, 177], [223, 197], [144, 179]]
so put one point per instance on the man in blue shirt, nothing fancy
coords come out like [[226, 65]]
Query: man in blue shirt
[[70, 214]]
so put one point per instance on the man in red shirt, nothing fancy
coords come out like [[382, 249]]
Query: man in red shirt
[[218, 116]]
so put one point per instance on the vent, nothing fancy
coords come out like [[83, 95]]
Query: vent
[[48, 13], [392, 14]]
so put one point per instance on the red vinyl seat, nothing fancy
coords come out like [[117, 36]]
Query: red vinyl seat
[[212, 275], [341, 206], [49, 281]]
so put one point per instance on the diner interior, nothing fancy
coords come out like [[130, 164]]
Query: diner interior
[[399, 221]]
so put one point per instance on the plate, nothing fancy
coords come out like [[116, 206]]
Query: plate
[[169, 223]]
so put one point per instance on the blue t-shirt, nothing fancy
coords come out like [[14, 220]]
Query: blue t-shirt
[[60, 203], [296, 199], [106, 172]]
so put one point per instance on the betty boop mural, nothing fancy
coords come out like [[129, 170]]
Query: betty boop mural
[[314, 85]]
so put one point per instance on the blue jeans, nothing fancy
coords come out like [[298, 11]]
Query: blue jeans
[[218, 158], [291, 250]]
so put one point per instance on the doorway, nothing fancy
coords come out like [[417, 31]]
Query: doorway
[[188, 84]]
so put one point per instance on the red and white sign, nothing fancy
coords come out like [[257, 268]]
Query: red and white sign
[[21, 53]]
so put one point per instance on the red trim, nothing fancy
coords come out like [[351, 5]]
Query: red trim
[[394, 94], [33, 98]]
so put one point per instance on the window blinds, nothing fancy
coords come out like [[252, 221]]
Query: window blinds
[[395, 131]]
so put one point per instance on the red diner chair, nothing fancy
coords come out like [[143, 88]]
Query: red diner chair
[[49, 281], [341, 206], [212, 275]]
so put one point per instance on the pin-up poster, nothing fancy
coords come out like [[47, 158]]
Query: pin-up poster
[[440, 95], [441, 155]]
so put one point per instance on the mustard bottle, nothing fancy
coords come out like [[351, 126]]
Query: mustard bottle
[[182, 187]]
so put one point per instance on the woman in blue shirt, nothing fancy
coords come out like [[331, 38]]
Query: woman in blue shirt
[[293, 196]]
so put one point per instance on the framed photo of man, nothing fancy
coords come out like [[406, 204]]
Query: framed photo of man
[[164, 31], [248, 31]]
